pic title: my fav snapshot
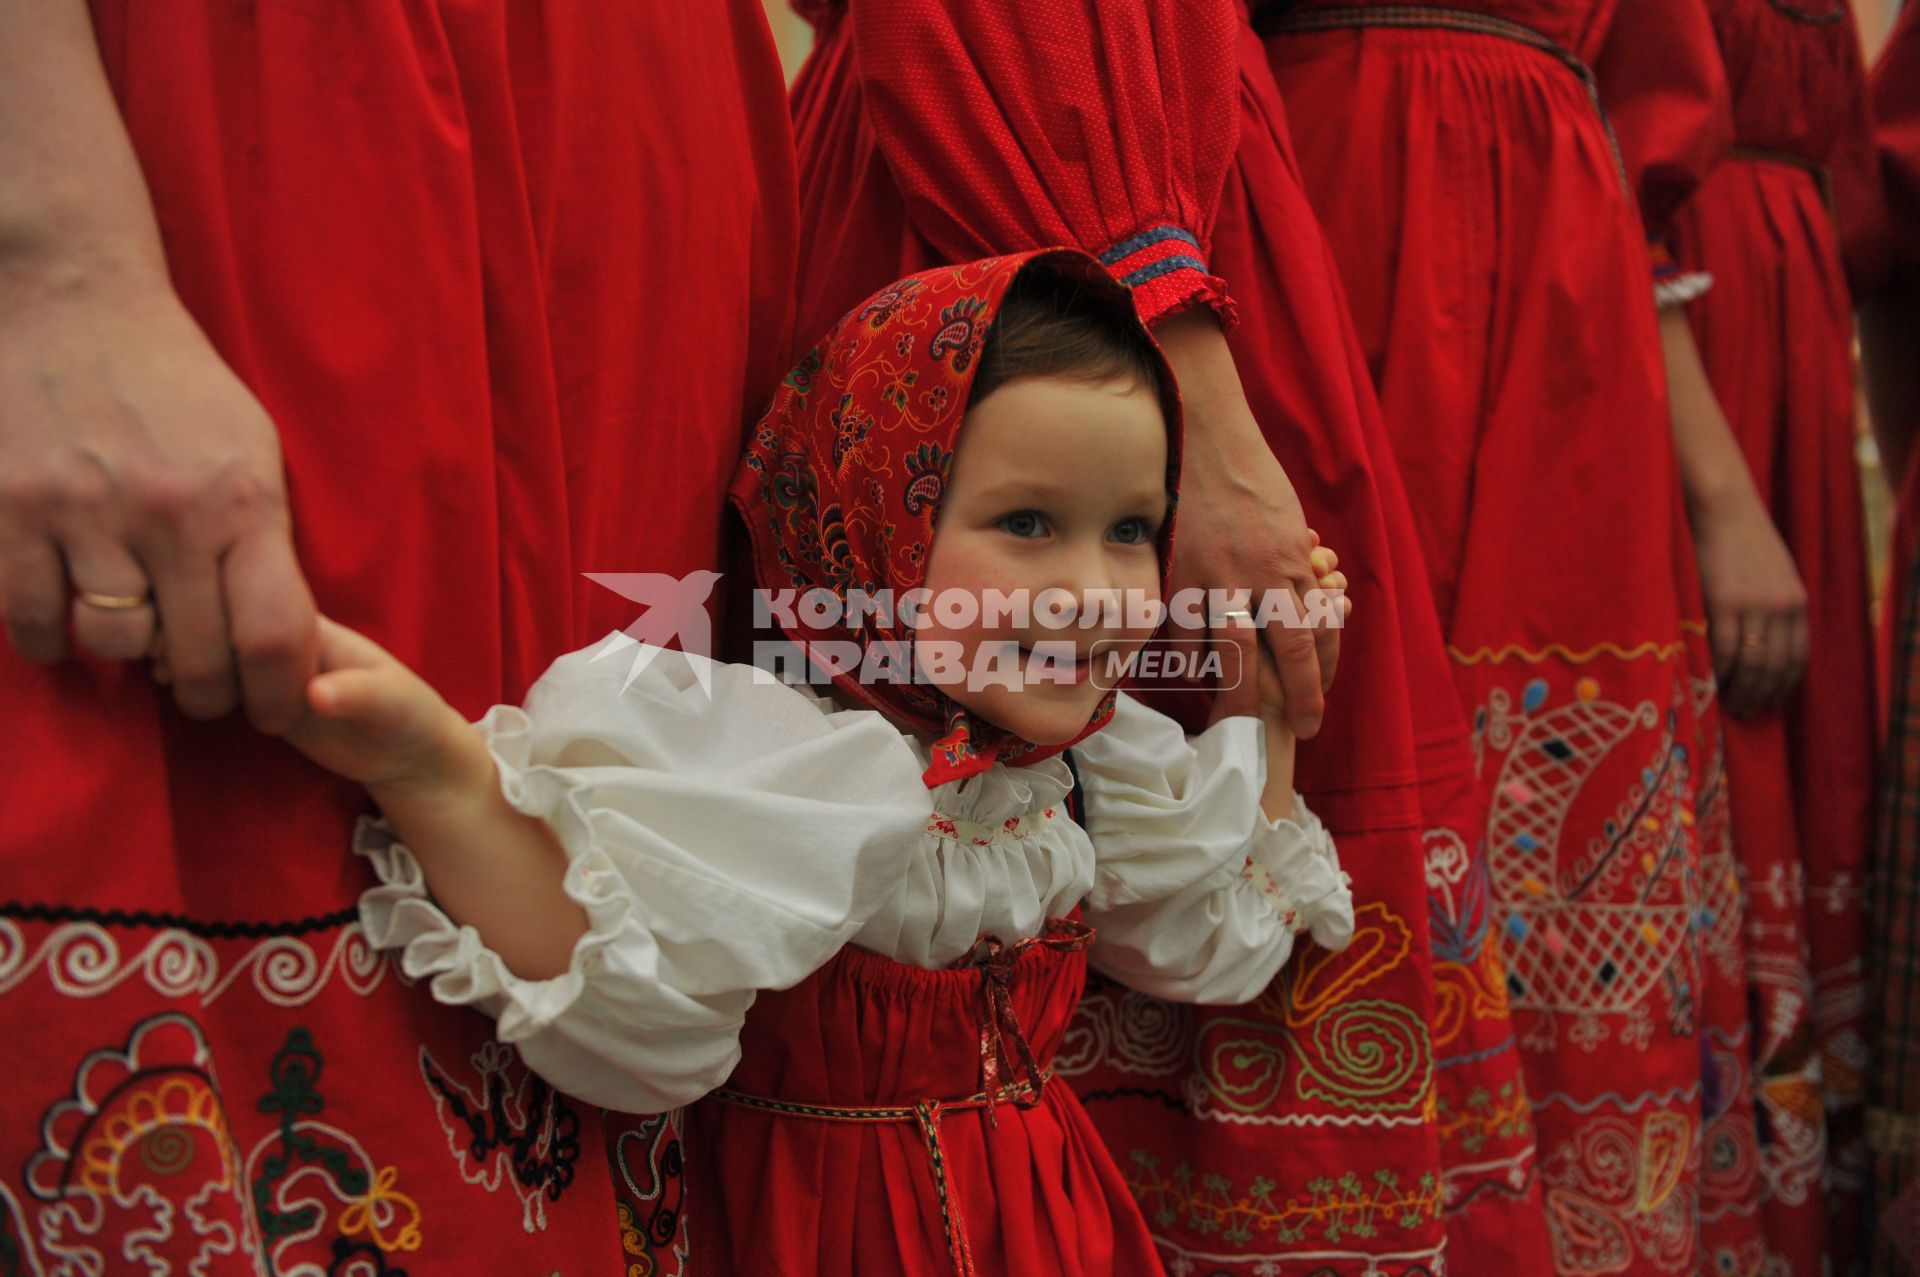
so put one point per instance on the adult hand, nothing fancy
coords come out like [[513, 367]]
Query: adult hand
[[135, 466], [1756, 603], [1240, 523]]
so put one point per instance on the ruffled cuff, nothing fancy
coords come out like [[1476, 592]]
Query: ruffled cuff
[[1673, 286], [1296, 869], [400, 913], [1167, 272]]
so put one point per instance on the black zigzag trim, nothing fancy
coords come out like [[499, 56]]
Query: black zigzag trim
[[1097, 1094], [193, 926]]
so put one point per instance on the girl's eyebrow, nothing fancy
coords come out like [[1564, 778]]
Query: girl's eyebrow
[[1025, 488]]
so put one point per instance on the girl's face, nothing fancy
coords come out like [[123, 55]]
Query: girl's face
[[1057, 484]]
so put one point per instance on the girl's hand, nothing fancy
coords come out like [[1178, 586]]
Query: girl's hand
[[371, 719], [1261, 692]]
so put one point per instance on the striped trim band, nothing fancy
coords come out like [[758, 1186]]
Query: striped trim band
[[1156, 251]]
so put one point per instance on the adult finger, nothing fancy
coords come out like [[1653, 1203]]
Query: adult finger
[[1240, 697], [33, 596], [1776, 673], [1749, 665], [1296, 654], [1800, 648], [274, 627], [1723, 636], [113, 614], [186, 592]]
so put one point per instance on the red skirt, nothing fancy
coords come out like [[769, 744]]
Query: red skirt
[[1501, 288], [853, 1137], [1368, 1110], [431, 240], [1776, 333]]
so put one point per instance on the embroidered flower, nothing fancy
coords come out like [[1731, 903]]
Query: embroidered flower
[[885, 303], [801, 378], [927, 468], [959, 333]]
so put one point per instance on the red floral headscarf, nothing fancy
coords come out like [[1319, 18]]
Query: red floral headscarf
[[843, 477]]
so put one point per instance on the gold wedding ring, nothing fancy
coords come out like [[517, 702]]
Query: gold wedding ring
[[114, 602], [1228, 616]]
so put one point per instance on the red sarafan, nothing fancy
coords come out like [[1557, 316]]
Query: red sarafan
[[1491, 232], [434, 242], [1775, 332], [1368, 1110]]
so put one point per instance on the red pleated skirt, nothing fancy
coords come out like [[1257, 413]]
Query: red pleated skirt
[[1501, 288], [852, 1138], [1775, 333]]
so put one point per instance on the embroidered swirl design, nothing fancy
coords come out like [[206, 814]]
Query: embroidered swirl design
[[1367, 1052]]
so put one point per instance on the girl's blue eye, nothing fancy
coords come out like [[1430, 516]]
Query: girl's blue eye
[[1131, 531], [1023, 523]]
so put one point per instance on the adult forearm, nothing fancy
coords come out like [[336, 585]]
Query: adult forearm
[[1713, 471], [71, 192]]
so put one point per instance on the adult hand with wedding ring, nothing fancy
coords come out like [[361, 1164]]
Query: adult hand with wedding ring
[[141, 484], [1241, 525]]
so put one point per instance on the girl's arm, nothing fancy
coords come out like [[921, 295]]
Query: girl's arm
[[490, 867], [1261, 693]]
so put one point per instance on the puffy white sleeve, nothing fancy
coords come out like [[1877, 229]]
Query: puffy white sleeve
[[719, 842], [1197, 896]]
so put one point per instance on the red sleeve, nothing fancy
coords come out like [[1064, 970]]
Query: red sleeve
[[1665, 91], [1103, 124]]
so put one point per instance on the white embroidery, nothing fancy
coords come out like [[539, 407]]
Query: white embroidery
[[84, 960]]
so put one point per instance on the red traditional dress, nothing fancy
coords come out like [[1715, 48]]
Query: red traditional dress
[[868, 966], [1500, 281], [1775, 331], [1892, 243], [1368, 1110], [432, 241]]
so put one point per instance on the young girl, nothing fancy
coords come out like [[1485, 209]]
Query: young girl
[[854, 926]]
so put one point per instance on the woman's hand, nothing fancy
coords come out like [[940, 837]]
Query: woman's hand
[[135, 461], [134, 465], [1241, 524], [1756, 603]]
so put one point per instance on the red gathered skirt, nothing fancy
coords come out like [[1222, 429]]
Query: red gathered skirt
[[432, 240], [1500, 284], [846, 1141], [1775, 333]]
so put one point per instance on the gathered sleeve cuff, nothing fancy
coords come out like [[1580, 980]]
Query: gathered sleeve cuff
[[719, 841], [1198, 897], [1090, 123], [1674, 285]]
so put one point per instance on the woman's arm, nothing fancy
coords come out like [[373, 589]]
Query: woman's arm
[[1756, 604], [130, 455]]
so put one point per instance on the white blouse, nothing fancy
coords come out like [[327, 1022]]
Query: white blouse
[[729, 842]]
